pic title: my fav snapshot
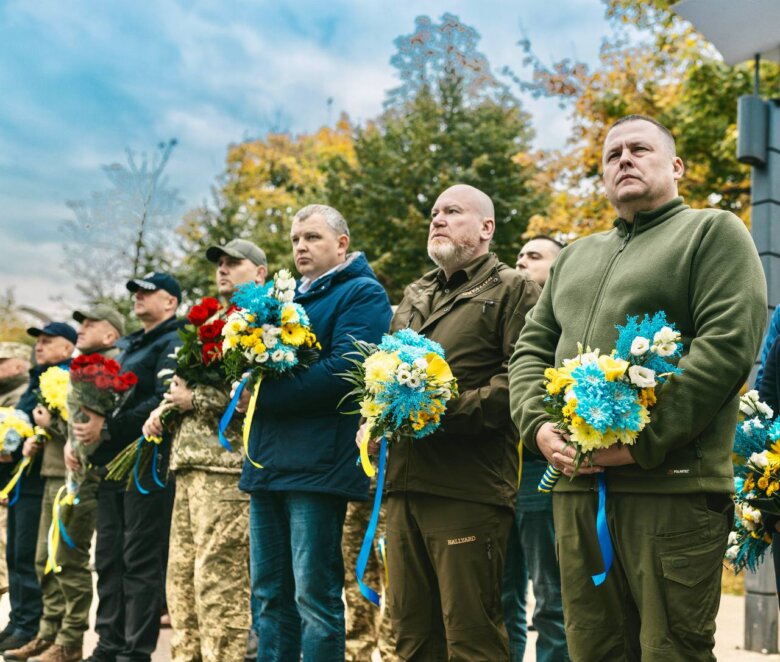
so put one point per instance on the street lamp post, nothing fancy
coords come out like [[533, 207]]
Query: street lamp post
[[743, 30]]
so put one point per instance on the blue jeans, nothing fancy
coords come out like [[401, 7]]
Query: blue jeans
[[531, 552], [297, 575]]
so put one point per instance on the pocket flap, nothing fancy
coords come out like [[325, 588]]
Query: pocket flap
[[692, 564]]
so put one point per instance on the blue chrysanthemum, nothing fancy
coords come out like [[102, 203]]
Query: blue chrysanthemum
[[255, 299]]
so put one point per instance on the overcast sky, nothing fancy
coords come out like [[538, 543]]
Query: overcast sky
[[81, 80]]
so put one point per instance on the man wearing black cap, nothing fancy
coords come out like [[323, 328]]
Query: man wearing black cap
[[208, 567], [67, 595], [130, 524], [54, 345]]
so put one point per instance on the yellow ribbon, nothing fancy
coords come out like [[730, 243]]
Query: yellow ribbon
[[54, 530], [520, 462], [250, 412], [365, 460], [6, 491]]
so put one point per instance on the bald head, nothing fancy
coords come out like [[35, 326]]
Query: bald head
[[462, 225]]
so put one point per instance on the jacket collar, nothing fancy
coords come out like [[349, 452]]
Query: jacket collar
[[355, 266], [644, 220], [141, 337]]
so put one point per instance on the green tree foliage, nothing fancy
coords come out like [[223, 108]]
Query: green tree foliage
[[411, 154], [655, 64]]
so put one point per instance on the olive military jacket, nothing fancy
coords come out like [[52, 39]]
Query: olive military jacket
[[476, 316], [701, 268]]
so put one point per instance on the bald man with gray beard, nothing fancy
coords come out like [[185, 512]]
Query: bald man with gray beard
[[450, 496]]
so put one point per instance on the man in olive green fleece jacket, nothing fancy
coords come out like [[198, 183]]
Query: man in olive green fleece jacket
[[668, 506], [207, 583], [450, 496]]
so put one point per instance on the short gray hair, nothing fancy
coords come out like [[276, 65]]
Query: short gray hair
[[332, 217]]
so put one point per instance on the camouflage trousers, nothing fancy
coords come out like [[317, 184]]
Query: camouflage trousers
[[368, 628], [208, 569]]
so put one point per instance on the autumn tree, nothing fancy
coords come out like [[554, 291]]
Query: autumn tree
[[266, 181], [654, 64]]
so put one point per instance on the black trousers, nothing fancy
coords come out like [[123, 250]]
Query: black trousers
[[128, 559], [23, 587]]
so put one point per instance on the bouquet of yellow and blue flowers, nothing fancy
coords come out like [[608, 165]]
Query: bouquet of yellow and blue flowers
[[599, 400], [15, 427], [403, 385], [756, 482], [267, 335]]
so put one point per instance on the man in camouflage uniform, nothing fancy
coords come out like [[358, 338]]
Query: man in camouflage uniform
[[208, 563], [67, 595], [14, 376]]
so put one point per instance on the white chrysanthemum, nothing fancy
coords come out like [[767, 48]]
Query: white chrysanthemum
[[641, 377], [764, 409], [732, 552], [759, 460], [640, 346]]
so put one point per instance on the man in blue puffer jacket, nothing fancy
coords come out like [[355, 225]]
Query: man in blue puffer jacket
[[307, 447]]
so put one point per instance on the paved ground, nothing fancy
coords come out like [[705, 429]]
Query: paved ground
[[728, 648]]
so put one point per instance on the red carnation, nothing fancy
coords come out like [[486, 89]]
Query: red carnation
[[198, 314], [78, 363], [211, 352], [112, 367], [131, 379], [211, 304], [90, 371]]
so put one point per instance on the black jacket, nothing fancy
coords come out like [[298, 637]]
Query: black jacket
[[145, 354]]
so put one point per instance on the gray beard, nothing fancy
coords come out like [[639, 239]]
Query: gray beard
[[449, 255]]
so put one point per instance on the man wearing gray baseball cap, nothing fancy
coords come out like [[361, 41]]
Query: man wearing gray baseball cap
[[238, 261]]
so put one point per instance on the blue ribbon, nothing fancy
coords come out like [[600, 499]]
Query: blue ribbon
[[368, 540], [63, 533], [602, 530], [17, 492], [228, 415], [136, 479]]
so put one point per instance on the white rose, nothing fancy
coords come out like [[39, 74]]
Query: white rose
[[641, 377], [759, 460], [289, 357], [764, 409], [640, 346], [278, 356], [269, 340], [732, 552], [262, 358]]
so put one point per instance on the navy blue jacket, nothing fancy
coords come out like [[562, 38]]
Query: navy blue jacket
[[32, 482], [145, 354], [298, 433]]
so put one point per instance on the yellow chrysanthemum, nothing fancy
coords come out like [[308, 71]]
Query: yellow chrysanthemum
[[584, 435], [9, 420], [557, 379], [763, 483], [249, 341], [773, 487], [369, 408], [380, 367], [570, 409], [750, 483], [647, 397], [54, 390], [613, 368], [293, 334], [290, 314]]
